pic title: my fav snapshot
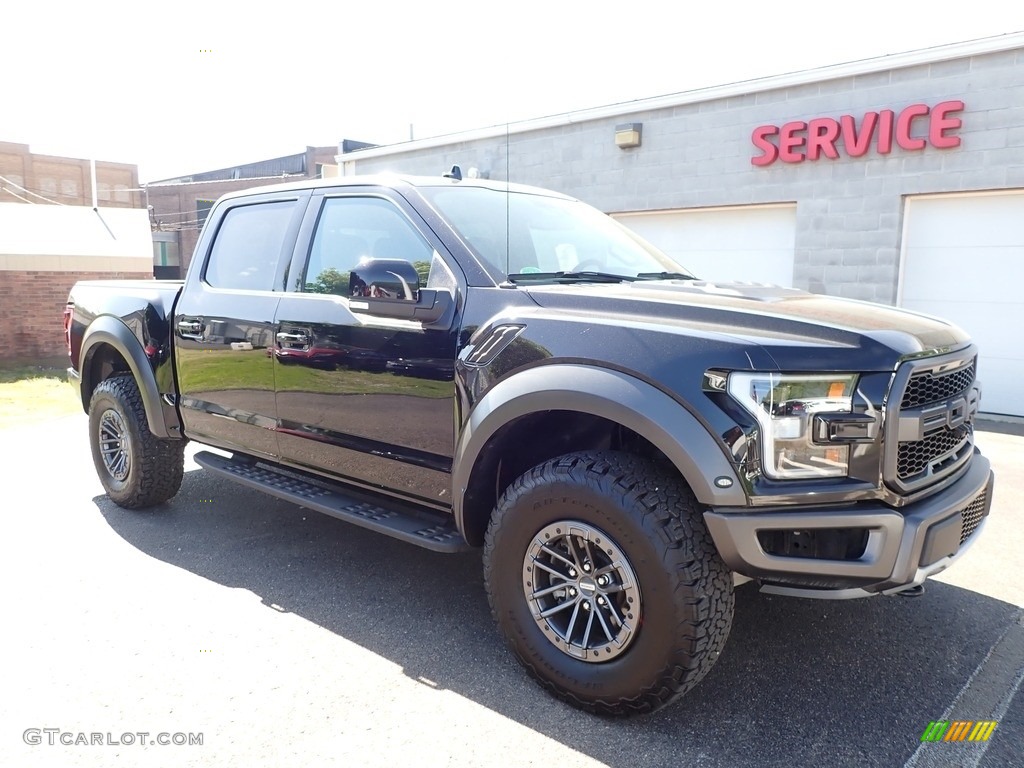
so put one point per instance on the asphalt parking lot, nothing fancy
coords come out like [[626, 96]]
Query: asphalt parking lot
[[285, 637]]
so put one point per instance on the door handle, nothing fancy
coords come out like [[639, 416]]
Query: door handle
[[292, 338], [190, 327]]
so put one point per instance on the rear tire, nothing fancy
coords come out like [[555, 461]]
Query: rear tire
[[613, 535], [136, 468]]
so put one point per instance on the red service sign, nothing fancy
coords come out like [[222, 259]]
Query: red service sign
[[914, 128]]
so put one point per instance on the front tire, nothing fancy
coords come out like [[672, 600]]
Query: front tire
[[606, 583], [136, 468]]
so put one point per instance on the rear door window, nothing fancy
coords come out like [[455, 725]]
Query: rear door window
[[247, 250]]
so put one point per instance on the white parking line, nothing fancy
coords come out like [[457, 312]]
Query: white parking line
[[985, 696]]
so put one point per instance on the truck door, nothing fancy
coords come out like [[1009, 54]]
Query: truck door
[[370, 399], [223, 324]]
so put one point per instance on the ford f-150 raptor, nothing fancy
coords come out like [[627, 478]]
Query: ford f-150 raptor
[[464, 363]]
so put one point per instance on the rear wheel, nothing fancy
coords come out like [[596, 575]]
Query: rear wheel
[[605, 582], [136, 468]]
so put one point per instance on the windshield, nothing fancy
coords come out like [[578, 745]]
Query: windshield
[[526, 236]]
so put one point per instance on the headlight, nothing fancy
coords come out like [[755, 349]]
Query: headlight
[[784, 405]]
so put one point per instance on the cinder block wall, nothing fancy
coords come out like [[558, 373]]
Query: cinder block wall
[[849, 210]]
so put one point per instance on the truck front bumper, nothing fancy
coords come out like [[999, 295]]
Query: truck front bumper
[[903, 547]]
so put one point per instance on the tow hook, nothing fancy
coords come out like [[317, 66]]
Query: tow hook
[[912, 591]]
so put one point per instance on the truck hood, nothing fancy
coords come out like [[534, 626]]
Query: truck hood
[[785, 322]]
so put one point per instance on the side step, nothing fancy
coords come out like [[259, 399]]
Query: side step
[[423, 528]]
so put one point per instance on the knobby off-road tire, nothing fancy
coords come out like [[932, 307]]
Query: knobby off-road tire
[[136, 468], [627, 538]]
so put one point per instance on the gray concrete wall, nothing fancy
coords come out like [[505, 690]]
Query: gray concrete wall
[[849, 210]]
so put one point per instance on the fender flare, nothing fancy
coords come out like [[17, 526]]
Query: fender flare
[[610, 394], [112, 331]]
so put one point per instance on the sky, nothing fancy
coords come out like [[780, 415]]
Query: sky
[[183, 87]]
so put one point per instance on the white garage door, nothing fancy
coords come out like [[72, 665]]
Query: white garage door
[[963, 260], [748, 243]]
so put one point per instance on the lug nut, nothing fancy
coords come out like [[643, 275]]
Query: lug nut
[[586, 606], [572, 572], [602, 581], [600, 601], [586, 567]]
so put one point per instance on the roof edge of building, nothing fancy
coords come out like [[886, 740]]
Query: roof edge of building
[[930, 55], [156, 185]]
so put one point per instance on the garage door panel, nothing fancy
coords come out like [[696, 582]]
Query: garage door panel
[[995, 220], [963, 261], [745, 266], [754, 244], [944, 274], [986, 323], [1000, 379]]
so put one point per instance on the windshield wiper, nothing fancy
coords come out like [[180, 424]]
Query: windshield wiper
[[576, 277], [664, 276]]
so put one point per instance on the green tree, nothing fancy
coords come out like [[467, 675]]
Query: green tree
[[422, 269], [330, 281]]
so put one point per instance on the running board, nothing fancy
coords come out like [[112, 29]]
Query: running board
[[423, 528]]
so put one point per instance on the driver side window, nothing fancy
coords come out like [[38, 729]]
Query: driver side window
[[351, 229]]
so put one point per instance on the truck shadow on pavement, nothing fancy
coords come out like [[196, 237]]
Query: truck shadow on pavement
[[801, 682]]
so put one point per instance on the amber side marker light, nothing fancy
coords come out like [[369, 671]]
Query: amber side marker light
[[69, 312]]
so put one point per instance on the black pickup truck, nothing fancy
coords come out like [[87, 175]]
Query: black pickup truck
[[461, 363]]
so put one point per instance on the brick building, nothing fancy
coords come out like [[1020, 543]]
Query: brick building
[[26, 177], [897, 180], [50, 237], [46, 249], [180, 205]]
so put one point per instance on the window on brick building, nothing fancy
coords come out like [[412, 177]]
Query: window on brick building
[[165, 254], [10, 190]]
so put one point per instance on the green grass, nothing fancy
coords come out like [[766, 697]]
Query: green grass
[[31, 393]]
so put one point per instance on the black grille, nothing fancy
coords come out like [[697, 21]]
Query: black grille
[[927, 387], [914, 457], [972, 515]]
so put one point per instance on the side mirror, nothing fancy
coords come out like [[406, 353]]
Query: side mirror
[[391, 288], [384, 279]]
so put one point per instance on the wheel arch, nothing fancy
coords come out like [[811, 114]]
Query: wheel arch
[[516, 407], [108, 339]]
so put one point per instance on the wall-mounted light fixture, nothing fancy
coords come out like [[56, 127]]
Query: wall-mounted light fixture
[[628, 135]]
